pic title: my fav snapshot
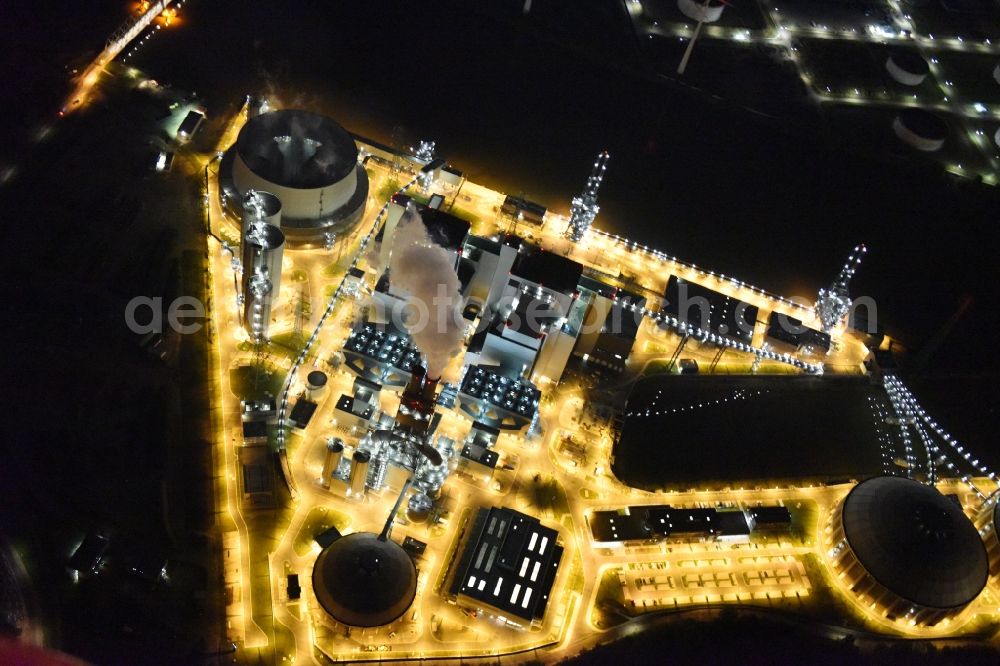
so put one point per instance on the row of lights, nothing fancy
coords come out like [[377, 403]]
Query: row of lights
[[885, 443], [899, 392], [141, 42], [664, 258], [739, 394]]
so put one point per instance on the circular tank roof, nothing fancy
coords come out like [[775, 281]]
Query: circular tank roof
[[316, 378], [915, 541], [363, 581], [420, 502], [270, 238], [924, 124], [910, 61], [297, 149], [270, 204]]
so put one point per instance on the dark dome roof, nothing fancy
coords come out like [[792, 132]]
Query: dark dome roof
[[363, 581], [297, 149], [316, 378], [925, 124], [996, 520], [915, 541], [910, 61]]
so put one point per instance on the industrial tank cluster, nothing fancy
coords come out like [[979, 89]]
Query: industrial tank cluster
[[907, 551]]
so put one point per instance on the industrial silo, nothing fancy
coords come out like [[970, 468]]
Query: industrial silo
[[263, 246], [334, 453], [419, 507], [359, 471]]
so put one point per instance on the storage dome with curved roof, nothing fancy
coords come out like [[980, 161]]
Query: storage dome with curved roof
[[308, 162], [364, 581], [316, 379], [914, 542], [297, 149]]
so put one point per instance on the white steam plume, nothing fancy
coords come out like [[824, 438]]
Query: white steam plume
[[425, 272]]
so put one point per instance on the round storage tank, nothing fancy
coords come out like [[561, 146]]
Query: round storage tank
[[309, 162], [921, 129], [708, 12], [908, 549], [363, 581], [260, 205], [907, 67], [359, 471], [419, 507], [315, 380]]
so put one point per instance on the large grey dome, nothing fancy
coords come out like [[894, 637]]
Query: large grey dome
[[363, 581], [915, 542]]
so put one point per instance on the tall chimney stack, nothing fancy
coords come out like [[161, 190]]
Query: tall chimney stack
[[416, 382], [430, 386], [359, 471]]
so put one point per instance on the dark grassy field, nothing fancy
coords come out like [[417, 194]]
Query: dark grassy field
[[781, 428], [106, 436]]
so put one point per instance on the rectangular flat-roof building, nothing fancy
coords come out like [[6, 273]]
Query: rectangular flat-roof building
[[709, 310], [256, 476], [254, 432], [293, 589], [791, 331], [524, 210], [610, 325], [192, 121], [302, 413], [478, 460], [616, 527], [508, 566], [770, 517], [87, 556], [351, 412], [661, 521]]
